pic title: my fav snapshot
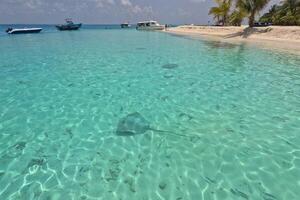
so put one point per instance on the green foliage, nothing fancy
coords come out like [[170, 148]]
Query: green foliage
[[221, 12], [287, 14], [269, 16], [236, 17]]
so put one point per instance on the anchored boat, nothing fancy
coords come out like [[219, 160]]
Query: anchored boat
[[125, 25], [23, 30], [69, 26], [150, 26]]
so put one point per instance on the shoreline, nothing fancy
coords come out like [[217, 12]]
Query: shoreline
[[282, 38]]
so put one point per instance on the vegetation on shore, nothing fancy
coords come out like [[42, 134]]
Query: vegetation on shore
[[287, 13], [233, 12], [221, 12]]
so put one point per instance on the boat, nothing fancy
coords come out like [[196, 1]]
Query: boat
[[23, 30], [125, 25], [262, 24], [150, 26], [69, 26]]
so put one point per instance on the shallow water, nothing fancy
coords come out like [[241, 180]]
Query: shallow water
[[62, 95]]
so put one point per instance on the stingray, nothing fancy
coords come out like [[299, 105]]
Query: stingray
[[133, 124], [169, 66], [136, 124], [168, 76]]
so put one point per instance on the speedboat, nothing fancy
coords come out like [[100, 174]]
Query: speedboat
[[149, 26], [69, 26], [23, 30], [125, 25]]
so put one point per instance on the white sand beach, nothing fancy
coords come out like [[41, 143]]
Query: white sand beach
[[276, 37]]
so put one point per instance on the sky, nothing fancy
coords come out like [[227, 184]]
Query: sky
[[106, 11]]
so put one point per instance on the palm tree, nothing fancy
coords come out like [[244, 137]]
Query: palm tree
[[221, 12], [287, 13], [252, 7], [273, 10], [270, 15], [216, 11], [236, 17], [291, 5]]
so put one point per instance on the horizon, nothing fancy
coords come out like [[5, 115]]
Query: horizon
[[107, 12]]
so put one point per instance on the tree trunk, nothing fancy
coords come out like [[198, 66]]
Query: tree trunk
[[218, 20], [224, 20], [252, 19]]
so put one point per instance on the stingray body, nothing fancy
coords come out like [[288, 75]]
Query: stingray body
[[135, 124], [169, 66]]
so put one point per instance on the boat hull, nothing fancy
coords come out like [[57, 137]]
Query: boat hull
[[25, 31], [150, 28], [72, 27]]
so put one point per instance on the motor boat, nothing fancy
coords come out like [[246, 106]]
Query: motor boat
[[23, 30], [125, 25], [150, 26], [69, 26]]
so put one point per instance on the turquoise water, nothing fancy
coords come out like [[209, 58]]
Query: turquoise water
[[62, 95]]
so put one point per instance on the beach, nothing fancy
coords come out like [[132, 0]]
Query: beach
[[276, 37]]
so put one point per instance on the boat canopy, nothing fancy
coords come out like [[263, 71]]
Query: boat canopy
[[69, 21], [148, 22]]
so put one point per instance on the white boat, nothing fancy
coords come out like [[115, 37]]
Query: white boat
[[149, 26], [69, 26], [125, 25], [23, 30]]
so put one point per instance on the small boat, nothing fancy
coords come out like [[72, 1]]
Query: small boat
[[69, 26], [23, 30], [149, 26], [125, 25], [262, 24]]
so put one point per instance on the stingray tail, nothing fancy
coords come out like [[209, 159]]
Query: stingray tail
[[175, 134]]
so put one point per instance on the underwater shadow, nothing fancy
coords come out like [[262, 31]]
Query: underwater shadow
[[220, 44]]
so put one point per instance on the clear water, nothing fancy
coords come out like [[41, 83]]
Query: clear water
[[62, 95]]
